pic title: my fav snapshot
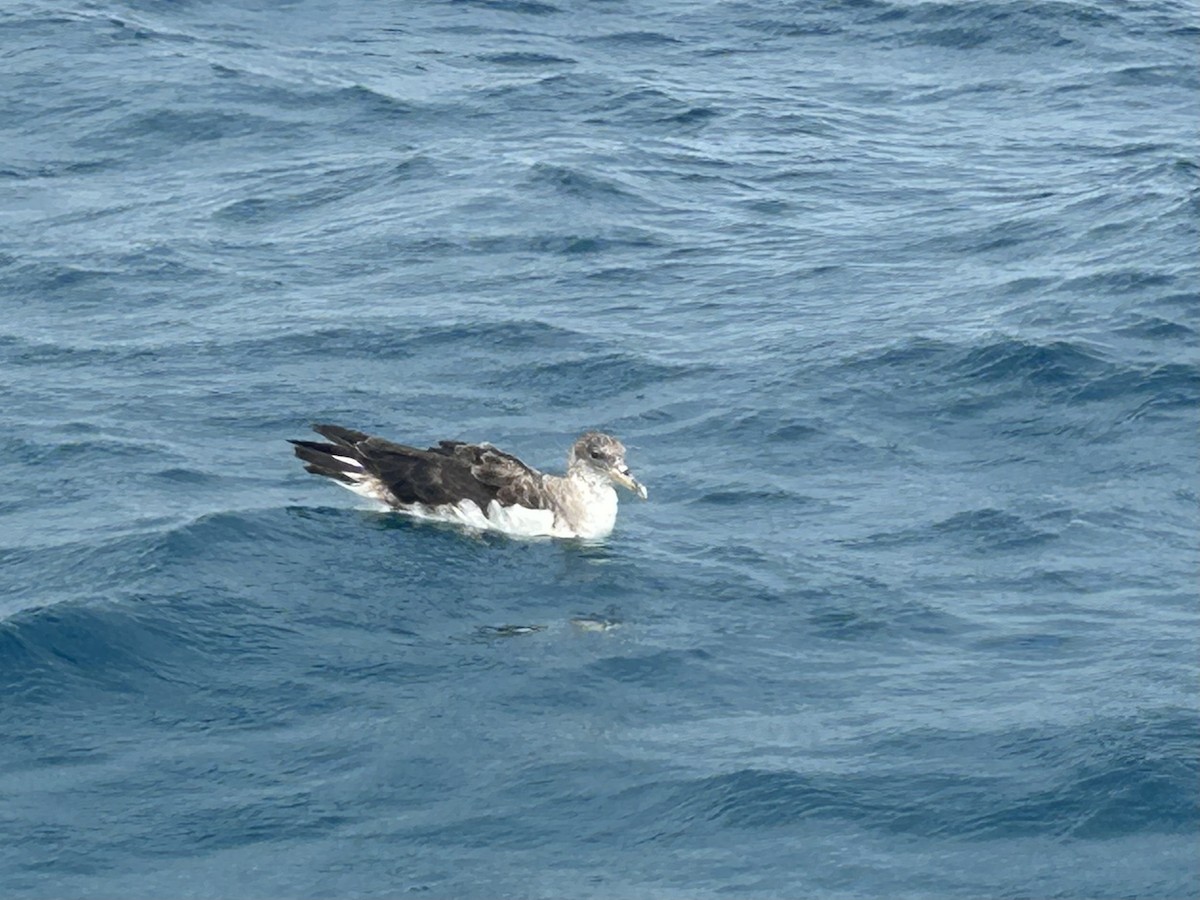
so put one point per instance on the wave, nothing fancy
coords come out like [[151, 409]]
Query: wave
[[1100, 778], [520, 7], [282, 195], [61, 168], [632, 39], [169, 128], [980, 531], [575, 182], [526, 59], [649, 106], [390, 341], [748, 496], [585, 379], [1181, 75], [1159, 328], [66, 653], [96, 286], [606, 240], [96, 450], [1094, 781], [495, 344], [1059, 371], [1001, 788], [1018, 26], [121, 605]]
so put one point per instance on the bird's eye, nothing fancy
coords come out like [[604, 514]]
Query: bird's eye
[[595, 454]]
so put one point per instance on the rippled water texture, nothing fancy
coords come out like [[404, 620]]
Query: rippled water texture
[[895, 304]]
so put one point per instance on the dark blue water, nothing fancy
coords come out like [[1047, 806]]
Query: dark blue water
[[895, 303]]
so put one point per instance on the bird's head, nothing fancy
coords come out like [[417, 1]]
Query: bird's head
[[604, 454]]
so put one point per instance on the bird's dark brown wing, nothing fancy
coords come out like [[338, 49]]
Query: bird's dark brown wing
[[448, 473], [515, 483]]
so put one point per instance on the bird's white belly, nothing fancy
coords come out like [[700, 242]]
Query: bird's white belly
[[514, 520], [520, 521], [590, 514]]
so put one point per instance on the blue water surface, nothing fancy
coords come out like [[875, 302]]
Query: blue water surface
[[894, 302]]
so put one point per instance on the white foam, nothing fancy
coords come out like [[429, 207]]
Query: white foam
[[365, 487]]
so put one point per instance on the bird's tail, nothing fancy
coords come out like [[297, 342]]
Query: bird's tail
[[338, 460]]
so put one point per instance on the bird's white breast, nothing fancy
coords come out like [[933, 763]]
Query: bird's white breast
[[590, 513]]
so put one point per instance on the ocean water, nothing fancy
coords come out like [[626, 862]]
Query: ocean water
[[894, 302]]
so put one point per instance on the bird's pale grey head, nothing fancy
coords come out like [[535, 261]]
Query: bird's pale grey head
[[603, 453]]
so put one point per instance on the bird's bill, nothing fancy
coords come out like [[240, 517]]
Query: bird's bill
[[624, 477]]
